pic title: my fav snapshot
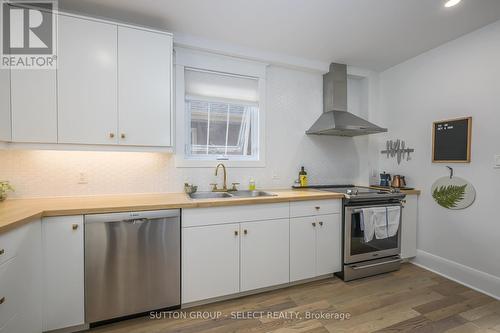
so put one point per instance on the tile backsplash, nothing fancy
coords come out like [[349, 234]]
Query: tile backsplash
[[63, 173]]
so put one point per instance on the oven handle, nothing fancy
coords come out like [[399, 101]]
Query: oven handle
[[377, 264], [355, 211]]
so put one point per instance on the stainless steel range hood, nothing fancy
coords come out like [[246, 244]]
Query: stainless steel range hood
[[336, 120]]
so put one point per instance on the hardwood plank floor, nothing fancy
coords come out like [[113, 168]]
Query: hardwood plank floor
[[409, 300]]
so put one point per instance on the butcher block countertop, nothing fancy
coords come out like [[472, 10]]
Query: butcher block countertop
[[16, 212]]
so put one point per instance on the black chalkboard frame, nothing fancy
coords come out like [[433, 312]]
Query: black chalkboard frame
[[469, 138]]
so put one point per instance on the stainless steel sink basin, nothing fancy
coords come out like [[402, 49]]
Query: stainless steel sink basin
[[227, 195], [252, 194], [209, 195]]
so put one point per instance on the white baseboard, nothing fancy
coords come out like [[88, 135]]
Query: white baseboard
[[480, 281]]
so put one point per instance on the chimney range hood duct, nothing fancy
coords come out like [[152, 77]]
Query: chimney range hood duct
[[336, 120]]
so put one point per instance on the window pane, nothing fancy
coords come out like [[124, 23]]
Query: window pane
[[221, 129], [199, 126], [218, 128], [238, 130]]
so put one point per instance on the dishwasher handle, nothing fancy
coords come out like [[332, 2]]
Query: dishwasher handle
[[132, 216]]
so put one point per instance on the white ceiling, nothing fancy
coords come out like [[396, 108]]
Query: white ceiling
[[374, 34]]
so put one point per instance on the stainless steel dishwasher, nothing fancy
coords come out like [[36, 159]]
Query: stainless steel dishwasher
[[132, 263]]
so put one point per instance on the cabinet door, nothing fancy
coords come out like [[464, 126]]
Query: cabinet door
[[302, 248], [329, 244], [5, 123], [87, 82], [265, 254], [210, 262], [63, 272], [409, 227], [144, 65], [34, 107], [20, 282]]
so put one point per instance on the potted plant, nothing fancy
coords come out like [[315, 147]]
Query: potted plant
[[5, 187]]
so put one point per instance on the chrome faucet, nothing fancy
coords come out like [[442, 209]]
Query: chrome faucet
[[224, 186]]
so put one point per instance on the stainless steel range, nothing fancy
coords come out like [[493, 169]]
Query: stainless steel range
[[362, 258]]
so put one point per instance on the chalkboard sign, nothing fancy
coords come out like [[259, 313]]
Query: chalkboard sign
[[451, 141]]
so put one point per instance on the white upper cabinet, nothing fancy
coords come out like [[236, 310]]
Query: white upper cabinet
[[112, 86], [87, 81], [5, 123], [34, 106], [144, 87]]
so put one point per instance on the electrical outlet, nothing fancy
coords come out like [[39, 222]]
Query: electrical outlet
[[276, 176], [497, 161], [83, 178]]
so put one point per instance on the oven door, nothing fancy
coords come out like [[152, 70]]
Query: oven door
[[355, 247]]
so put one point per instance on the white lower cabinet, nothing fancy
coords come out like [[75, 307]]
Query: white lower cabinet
[[231, 250], [409, 227], [315, 246], [210, 262], [302, 248], [264, 254], [63, 280], [20, 280], [328, 244]]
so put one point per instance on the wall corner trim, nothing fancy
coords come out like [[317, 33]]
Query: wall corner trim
[[480, 281]]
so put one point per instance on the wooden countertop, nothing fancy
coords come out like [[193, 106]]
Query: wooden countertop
[[16, 212]]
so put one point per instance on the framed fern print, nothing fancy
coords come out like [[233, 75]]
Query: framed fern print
[[453, 193]]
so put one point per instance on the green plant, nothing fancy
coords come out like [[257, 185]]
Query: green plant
[[4, 188], [449, 196]]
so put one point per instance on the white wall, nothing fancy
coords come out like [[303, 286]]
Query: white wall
[[460, 78], [294, 101]]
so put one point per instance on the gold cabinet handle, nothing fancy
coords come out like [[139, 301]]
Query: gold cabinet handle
[[111, 135], [74, 226], [2, 300], [245, 231], [321, 223], [122, 135], [313, 224], [2, 251], [236, 233]]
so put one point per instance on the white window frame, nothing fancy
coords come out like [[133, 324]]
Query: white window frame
[[189, 58]]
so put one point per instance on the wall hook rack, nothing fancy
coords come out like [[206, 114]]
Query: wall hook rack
[[397, 148]]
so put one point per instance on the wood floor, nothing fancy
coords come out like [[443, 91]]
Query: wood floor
[[410, 300]]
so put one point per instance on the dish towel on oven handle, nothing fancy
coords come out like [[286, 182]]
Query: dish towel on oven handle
[[381, 222]]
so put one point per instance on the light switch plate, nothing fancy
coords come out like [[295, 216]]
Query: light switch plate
[[497, 161]]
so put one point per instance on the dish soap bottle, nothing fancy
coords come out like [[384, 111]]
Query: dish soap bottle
[[303, 177], [251, 185]]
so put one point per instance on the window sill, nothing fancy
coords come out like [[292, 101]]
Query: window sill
[[183, 163]]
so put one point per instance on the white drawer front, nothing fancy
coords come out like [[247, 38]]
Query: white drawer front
[[11, 241], [315, 207], [9, 294], [193, 217]]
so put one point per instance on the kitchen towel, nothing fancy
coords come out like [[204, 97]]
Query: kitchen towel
[[367, 222], [381, 222]]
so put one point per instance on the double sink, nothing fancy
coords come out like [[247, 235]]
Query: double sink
[[228, 195]]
